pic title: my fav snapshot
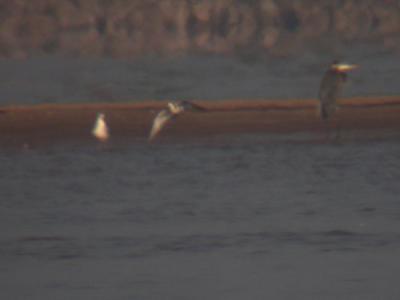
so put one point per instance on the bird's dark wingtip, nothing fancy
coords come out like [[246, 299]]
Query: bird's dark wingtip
[[198, 107]]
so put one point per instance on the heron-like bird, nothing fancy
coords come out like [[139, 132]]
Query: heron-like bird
[[174, 109], [331, 86], [100, 128]]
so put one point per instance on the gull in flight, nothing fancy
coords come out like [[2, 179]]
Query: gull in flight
[[100, 128], [173, 109]]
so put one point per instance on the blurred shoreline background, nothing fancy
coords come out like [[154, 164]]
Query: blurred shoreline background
[[130, 29], [63, 51]]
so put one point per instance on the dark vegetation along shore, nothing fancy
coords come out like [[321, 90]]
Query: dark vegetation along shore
[[374, 117], [121, 28]]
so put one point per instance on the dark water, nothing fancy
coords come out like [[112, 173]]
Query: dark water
[[59, 79], [242, 217], [250, 217]]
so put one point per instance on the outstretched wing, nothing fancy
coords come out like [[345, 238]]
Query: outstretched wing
[[192, 106], [159, 122]]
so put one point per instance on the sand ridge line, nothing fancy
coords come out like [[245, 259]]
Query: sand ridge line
[[212, 105]]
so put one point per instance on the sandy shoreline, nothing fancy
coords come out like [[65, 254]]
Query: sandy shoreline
[[33, 124]]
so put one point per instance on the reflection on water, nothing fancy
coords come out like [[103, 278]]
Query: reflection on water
[[246, 217]]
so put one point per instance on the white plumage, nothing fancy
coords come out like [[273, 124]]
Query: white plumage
[[173, 109], [100, 128]]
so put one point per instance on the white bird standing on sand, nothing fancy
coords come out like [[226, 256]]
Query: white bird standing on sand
[[100, 128], [331, 86], [173, 109]]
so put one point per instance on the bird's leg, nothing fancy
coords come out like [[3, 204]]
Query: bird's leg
[[336, 130], [325, 131], [337, 133]]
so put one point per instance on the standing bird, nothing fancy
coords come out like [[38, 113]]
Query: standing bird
[[331, 86], [173, 109], [100, 128]]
